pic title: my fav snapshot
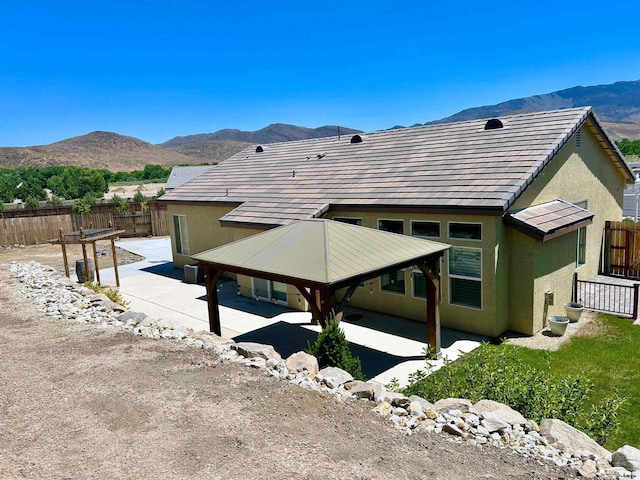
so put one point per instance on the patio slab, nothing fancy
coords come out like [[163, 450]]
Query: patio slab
[[389, 347]]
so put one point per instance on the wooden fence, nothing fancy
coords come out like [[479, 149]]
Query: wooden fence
[[30, 229], [621, 249]]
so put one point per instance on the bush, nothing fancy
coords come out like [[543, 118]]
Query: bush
[[111, 293], [499, 373], [160, 193], [139, 197], [122, 206], [331, 348], [32, 202], [81, 206], [55, 201]]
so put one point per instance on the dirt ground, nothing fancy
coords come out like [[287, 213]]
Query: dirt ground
[[76, 402]]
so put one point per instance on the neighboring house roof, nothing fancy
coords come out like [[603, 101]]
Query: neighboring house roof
[[550, 220], [436, 167], [325, 251], [181, 175]]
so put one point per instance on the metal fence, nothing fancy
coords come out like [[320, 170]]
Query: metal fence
[[607, 297]]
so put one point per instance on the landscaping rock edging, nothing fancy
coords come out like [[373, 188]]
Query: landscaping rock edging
[[485, 423]]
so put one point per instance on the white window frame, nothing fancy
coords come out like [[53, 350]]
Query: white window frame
[[464, 239], [391, 292], [415, 270], [181, 234], [578, 264], [390, 220], [425, 221], [464, 277]]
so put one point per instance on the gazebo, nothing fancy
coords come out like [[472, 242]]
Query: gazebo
[[320, 257]]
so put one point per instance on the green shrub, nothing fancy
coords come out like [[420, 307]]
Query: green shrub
[[81, 206], [139, 197], [160, 192], [331, 348], [32, 202], [55, 200], [112, 294], [499, 373], [122, 206]]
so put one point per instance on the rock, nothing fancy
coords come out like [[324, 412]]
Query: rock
[[415, 408], [455, 430], [396, 399], [251, 350], [334, 377], [426, 405], [588, 469], [557, 431], [505, 412], [627, 457], [446, 404], [492, 422], [301, 361], [383, 408], [132, 318], [369, 390]]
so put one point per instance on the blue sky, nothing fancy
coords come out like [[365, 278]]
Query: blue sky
[[156, 69]]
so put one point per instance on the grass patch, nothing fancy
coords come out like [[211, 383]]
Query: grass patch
[[582, 383], [112, 294]]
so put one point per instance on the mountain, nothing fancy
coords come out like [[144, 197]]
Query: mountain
[[212, 151], [616, 104], [95, 150], [276, 132]]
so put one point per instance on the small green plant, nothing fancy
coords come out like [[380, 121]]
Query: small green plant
[[2, 207], [111, 293], [32, 202], [331, 348], [139, 197], [122, 206], [55, 200], [90, 198], [81, 207], [160, 192]]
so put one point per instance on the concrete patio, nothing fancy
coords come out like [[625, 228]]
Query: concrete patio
[[389, 347]]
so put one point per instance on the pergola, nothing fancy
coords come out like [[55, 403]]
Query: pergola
[[320, 257], [89, 237]]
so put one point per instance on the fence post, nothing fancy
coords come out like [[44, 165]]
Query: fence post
[[636, 290], [574, 288]]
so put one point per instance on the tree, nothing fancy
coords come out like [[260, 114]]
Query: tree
[[139, 197], [76, 182]]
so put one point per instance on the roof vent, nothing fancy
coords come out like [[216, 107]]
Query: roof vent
[[321, 155], [356, 139], [493, 124], [259, 149]]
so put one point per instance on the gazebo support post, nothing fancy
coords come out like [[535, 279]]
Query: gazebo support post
[[211, 280], [66, 260], [430, 272], [86, 260], [115, 260], [316, 314], [95, 261], [325, 306]]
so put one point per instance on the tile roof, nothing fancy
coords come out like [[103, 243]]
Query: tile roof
[[549, 220], [182, 174], [446, 166], [325, 251]]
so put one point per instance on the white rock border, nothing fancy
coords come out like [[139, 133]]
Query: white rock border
[[486, 423]]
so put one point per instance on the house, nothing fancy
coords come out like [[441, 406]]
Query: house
[[182, 174], [521, 199]]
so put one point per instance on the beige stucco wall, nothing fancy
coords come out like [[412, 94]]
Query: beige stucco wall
[[203, 230], [577, 173]]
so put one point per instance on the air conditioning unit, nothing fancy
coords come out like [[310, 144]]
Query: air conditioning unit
[[191, 274]]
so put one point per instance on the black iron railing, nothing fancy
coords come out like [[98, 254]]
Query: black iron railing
[[607, 297]]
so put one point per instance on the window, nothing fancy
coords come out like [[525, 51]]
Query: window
[[419, 283], [465, 231], [394, 281], [465, 277], [581, 254], [181, 235], [393, 226], [351, 221], [425, 229]]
